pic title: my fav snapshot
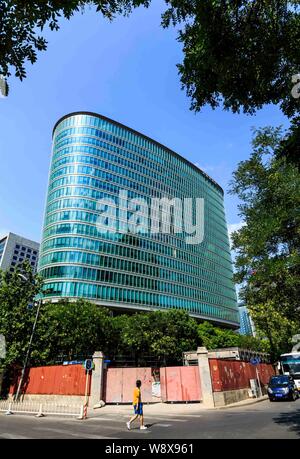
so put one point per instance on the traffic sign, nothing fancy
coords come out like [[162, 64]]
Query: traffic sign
[[88, 365], [255, 360]]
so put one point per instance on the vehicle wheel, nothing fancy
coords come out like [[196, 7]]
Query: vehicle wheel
[[272, 400]]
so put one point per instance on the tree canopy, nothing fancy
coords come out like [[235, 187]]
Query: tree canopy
[[290, 145], [20, 21], [66, 329], [238, 54], [267, 247], [163, 334], [213, 337], [17, 312]]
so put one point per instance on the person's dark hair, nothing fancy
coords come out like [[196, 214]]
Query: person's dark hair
[[138, 383]]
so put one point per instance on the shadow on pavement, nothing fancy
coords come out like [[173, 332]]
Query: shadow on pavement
[[291, 420]]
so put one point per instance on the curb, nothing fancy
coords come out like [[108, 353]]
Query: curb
[[216, 408], [240, 404]]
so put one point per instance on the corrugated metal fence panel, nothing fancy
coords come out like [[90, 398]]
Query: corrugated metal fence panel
[[172, 381], [235, 374], [56, 380], [163, 384], [265, 372], [119, 384], [216, 381], [180, 384], [113, 384], [191, 385], [129, 378], [145, 375]]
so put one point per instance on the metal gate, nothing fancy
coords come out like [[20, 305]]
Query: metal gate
[[180, 384], [177, 384], [119, 384]]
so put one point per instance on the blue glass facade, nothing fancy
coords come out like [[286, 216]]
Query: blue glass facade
[[245, 321], [94, 158]]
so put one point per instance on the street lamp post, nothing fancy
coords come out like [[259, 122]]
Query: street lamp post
[[39, 303]]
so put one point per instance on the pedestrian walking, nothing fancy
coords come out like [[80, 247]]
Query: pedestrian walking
[[138, 407]]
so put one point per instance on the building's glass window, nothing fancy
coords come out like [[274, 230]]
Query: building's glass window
[[2, 247]]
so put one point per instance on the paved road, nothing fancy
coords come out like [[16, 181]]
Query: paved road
[[279, 420]]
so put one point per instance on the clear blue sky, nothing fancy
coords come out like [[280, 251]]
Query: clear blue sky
[[127, 71]]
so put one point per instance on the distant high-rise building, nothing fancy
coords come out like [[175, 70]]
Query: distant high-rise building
[[247, 326], [15, 250], [3, 87]]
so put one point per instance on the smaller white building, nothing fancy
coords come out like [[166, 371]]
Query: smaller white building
[[15, 250]]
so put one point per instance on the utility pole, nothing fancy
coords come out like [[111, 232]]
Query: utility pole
[[258, 380]]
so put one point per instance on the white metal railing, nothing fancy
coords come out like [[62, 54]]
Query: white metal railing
[[41, 409]]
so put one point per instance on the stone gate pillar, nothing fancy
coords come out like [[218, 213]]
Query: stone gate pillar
[[97, 379], [205, 377]]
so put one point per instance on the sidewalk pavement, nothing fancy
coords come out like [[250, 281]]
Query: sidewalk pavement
[[167, 409]]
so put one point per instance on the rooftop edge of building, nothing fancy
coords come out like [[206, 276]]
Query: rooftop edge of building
[[123, 126], [19, 237]]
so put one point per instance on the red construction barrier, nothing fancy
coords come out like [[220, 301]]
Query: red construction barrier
[[235, 374], [180, 384], [55, 380], [119, 384]]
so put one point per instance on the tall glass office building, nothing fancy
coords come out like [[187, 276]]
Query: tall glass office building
[[95, 158]]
